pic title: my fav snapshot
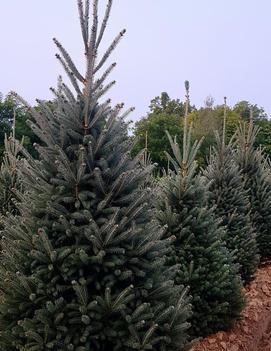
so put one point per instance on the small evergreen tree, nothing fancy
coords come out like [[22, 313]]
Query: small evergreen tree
[[256, 175], [83, 268], [205, 264], [10, 185], [231, 203]]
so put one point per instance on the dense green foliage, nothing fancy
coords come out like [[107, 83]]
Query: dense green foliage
[[151, 135], [167, 114], [231, 203], [244, 109], [256, 175], [150, 132], [83, 266], [206, 121]]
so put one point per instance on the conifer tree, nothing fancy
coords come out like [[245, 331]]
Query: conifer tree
[[231, 203], [83, 268], [256, 175], [205, 264]]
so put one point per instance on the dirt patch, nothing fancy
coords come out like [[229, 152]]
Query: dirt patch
[[265, 344], [253, 332]]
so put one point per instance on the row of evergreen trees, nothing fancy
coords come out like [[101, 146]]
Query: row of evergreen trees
[[96, 255]]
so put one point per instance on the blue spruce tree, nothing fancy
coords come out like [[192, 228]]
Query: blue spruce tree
[[83, 266], [206, 266], [256, 175], [231, 203]]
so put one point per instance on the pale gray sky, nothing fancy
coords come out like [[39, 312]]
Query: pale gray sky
[[223, 47]]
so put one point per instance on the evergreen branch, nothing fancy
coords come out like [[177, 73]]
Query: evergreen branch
[[100, 140], [41, 121], [46, 243], [186, 83], [127, 112], [69, 61], [123, 295], [70, 75], [82, 165], [91, 56], [224, 122], [175, 149], [46, 110], [111, 234], [42, 133], [24, 282], [148, 334], [173, 162], [104, 23], [109, 50], [64, 109], [90, 155], [129, 233], [69, 94], [83, 23], [181, 304], [99, 180], [92, 43], [140, 310], [105, 89], [104, 76], [64, 166], [81, 292], [87, 20], [98, 114], [194, 150]]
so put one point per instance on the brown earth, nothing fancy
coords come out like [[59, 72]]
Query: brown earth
[[253, 331]]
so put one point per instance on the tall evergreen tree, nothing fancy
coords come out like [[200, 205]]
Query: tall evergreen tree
[[83, 268], [256, 174], [205, 264], [231, 203]]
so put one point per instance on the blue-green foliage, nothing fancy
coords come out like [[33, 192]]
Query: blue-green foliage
[[83, 267]]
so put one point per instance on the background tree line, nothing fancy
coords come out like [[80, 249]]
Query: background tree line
[[167, 114]]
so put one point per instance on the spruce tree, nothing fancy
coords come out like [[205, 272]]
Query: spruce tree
[[82, 268], [256, 175], [205, 264], [231, 203]]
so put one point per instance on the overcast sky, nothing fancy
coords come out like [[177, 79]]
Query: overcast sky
[[223, 47]]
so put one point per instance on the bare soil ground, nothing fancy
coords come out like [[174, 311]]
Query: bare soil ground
[[253, 331]]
